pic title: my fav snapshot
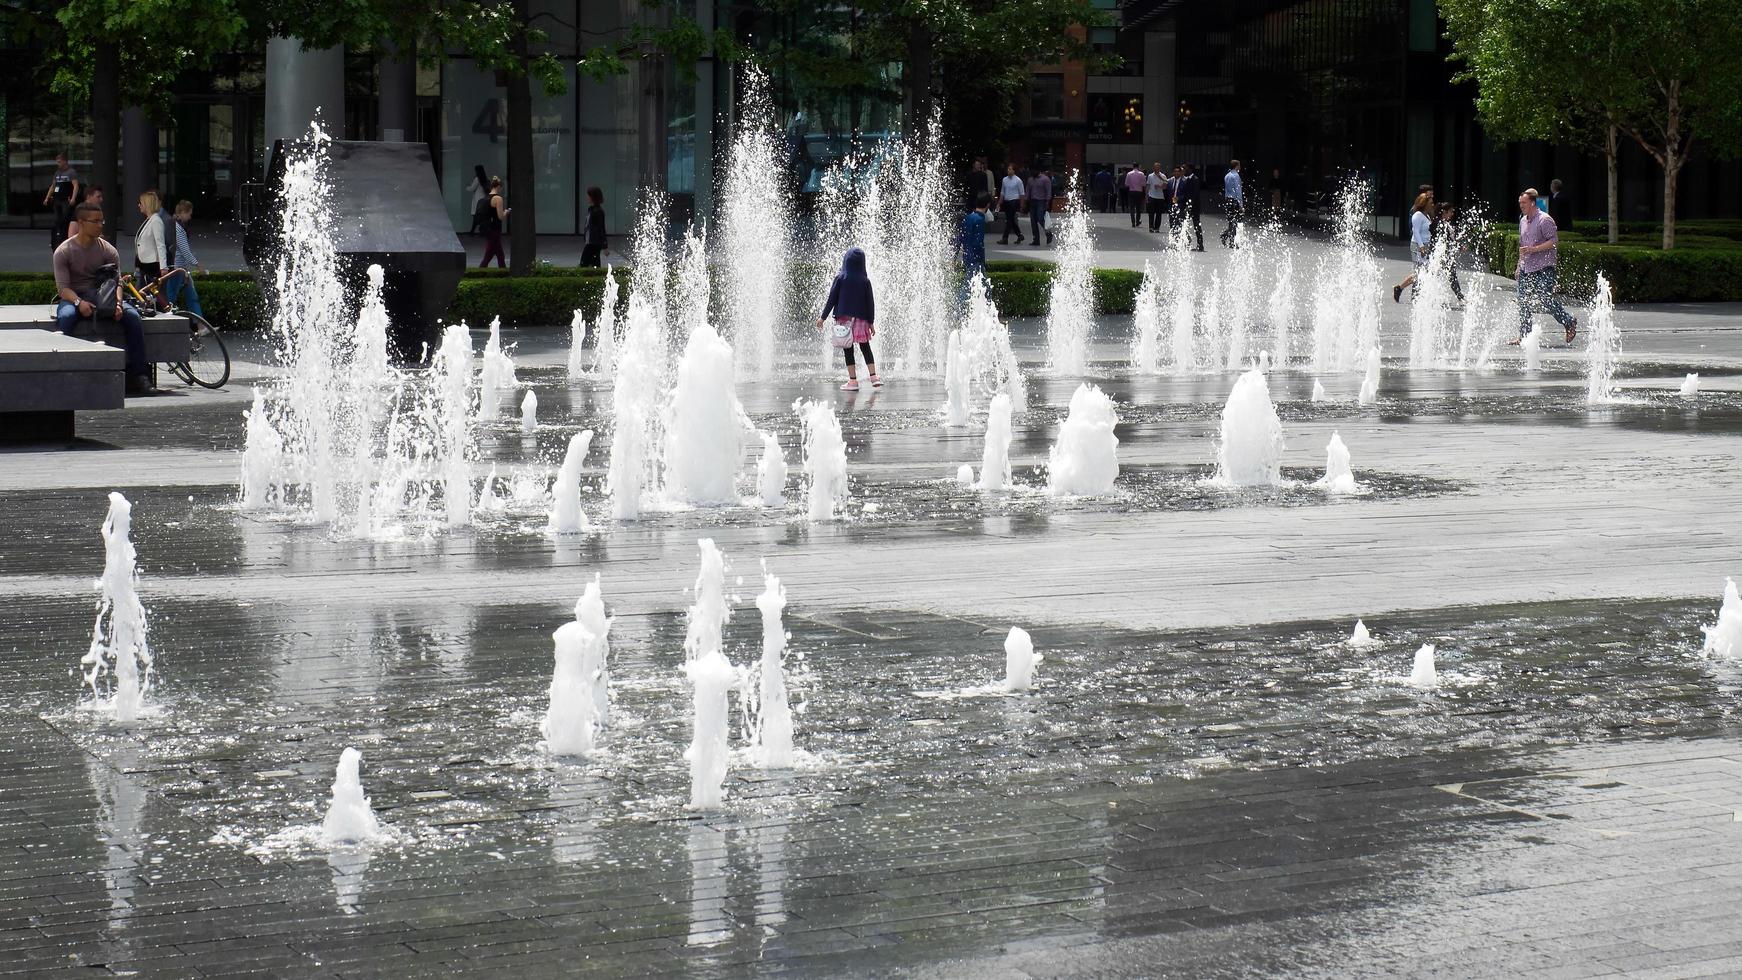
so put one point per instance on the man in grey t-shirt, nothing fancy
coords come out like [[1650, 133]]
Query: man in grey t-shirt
[[63, 193], [1039, 202], [81, 264]]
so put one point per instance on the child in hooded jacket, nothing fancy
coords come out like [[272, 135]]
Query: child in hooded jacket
[[855, 310]]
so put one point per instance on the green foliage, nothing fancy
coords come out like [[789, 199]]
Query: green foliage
[[1701, 269], [157, 41]]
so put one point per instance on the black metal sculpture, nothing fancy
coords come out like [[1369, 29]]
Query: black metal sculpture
[[387, 211]]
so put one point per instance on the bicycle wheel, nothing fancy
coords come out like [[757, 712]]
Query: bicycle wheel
[[208, 363]]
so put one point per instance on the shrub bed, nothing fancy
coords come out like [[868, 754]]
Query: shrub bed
[[233, 300], [1705, 269]]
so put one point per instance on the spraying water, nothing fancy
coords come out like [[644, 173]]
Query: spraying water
[[707, 618], [1282, 311], [605, 330], [1359, 637], [568, 726], [965, 474], [956, 381], [1070, 314], [1319, 392], [1182, 317], [1724, 637], [262, 459], [349, 819], [825, 459], [1249, 447], [649, 279], [771, 472], [704, 443], [1532, 344], [566, 516], [995, 460], [590, 613], [577, 345], [1019, 660], [1370, 382], [711, 677], [632, 474], [773, 714], [754, 219], [1422, 673], [1430, 317], [1146, 323], [1085, 459], [1242, 286], [1338, 478], [987, 349], [529, 413], [119, 660], [369, 339], [1690, 386], [450, 383], [1603, 350]]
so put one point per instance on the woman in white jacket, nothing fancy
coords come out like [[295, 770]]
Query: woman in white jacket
[[151, 244]]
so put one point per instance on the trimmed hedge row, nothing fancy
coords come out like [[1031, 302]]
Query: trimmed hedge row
[[233, 301], [1636, 273], [1598, 230]]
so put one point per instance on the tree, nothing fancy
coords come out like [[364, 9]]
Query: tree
[[1661, 72]]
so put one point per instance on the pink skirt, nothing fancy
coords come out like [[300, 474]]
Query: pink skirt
[[861, 329]]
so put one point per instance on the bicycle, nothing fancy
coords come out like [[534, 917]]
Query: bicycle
[[208, 363]]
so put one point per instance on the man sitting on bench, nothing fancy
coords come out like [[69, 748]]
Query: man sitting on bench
[[81, 266]]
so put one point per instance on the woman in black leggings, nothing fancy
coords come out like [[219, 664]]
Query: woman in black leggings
[[855, 308]]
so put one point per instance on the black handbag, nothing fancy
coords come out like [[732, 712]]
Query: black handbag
[[107, 291]]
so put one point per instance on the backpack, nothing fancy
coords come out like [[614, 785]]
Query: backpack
[[485, 215]]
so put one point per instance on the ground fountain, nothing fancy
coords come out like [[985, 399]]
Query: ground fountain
[[649, 282], [590, 613], [708, 616], [1085, 459], [1422, 673], [704, 437], [529, 413], [349, 818], [1146, 323], [566, 516], [1318, 394], [711, 677], [1070, 313], [1020, 660], [1690, 386], [119, 660], [825, 459], [771, 472], [1249, 446], [1242, 287], [577, 345], [986, 342], [956, 381], [995, 460], [569, 721], [1724, 637], [1282, 311], [772, 743], [1369, 393], [755, 218], [1182, 311], [1338, 478], [605, 330], [632, 474], [1359, 637], [1603, 349]]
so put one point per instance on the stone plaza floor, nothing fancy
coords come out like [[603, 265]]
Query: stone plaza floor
[[1205, 782]]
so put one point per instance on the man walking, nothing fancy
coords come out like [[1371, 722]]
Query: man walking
[[1101, 187], [1039, 202], [1175, 203], [1135, 182], [1010, 197], [971, 240], [1536, 268], [1155, 194], [1560, 206], [1190, 189], [1234, 203]]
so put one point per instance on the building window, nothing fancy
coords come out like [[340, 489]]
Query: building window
[[1115, 117], [1047, 97]]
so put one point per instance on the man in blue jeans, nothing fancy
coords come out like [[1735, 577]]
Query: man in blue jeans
[[81, 264], [1536, 269]]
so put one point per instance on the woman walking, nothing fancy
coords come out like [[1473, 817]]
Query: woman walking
[[181, 289], [1421, 242], [151, 242], [480, 188], [855, 308], [1446, 230], [495, 216], [595, 240]]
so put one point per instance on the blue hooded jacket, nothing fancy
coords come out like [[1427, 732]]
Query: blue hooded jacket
[[851, 293]]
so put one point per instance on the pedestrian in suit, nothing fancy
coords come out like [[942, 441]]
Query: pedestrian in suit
[[1560, 205], [1176, 204], [1191, 189]]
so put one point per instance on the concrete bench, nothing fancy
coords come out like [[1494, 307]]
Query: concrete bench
[[45, 376], [166, 335]]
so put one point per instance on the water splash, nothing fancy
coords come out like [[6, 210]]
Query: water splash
[[1422, 673], [1146, 323], [1319, 392], [755, 218], [711, 676], [1724, 637], [1249, 446], [995, 460], [704, 441], [956, 381], [119, 661], [568, 726], [987, 349], [773, 727], [707, 618], [349, 818], [577, 345], [1070, 316], [529, 413], [1020, 660], [1603, 349], [566, 516], [1338, 478], [1282, 302], [1690, 386], [771, 472], [590, 613], [825, 459], [1085, 459], [1369, 393], [1359, 637], [605, 330]]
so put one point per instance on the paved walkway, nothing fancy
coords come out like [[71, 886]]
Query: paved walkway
[[1206, 783]]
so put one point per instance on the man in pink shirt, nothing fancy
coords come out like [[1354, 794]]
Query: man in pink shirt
[[1134, 193], [1536, 269]]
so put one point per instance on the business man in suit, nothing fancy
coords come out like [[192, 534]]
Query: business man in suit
[[1190, 189], [1560, 206], [1175, 204]]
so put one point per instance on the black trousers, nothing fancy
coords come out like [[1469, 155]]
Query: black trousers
[[1155, 205], [1134, 204], [1236, 213], [1012, 211], [1197, 229], [590, 256], [865, 346]]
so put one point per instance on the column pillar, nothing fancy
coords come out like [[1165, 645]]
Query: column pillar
[[396, 100], [300, 81], [138, 160]]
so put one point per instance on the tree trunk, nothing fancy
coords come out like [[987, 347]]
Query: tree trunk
[[918, 77], [1672, 165], [1611, 152], [522, 196], [106, 127]]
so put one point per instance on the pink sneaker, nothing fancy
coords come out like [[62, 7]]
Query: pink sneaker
[[876, 381], [851, 385]]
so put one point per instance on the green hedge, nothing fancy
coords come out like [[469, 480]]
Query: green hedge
[[550, 295], [1695, 273], [1598, 230]]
